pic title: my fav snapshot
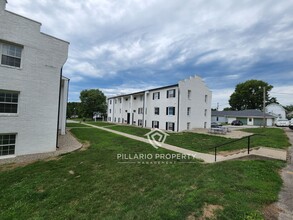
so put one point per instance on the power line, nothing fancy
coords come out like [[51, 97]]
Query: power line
[[282, 93]]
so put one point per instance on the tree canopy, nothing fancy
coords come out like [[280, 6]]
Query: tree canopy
[[249, 95], [92, 100], [73, 109]]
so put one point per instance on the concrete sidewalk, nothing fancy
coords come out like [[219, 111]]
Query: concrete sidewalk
[[286, 195], [207, 158]]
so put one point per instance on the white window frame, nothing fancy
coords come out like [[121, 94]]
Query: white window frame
[[171, 93], [155, 124], [156, 95], [188, 110], [12, 49], [7, 145], [169, 126], [157, 113], [11, 102], [168, 110], [189, 94]]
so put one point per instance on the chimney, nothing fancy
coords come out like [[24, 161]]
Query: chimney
[[3, 4]]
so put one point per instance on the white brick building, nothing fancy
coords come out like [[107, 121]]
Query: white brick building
[[178, 107], [33, 93]]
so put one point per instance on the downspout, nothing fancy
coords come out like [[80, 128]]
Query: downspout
[[60, 84], [143, 107], [178, 110]]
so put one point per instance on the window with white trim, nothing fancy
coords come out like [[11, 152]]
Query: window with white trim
[[155, 124], [206, 98], [156, 95], [10, 54], [205, 112], [189, 94], [188, 110], [171, 93], [188, 125], [170, 126], [157, 110], [170, 111], [139, 122], [7, 144], [8, 102], [140, 110]]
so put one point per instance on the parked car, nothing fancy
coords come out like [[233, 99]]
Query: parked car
[[215, 125], [282, 123], [237, 122]]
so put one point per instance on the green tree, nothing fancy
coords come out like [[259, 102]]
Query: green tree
[[73, 108], [249, 95], [92, 100]]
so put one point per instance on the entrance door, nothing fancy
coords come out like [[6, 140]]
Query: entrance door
[[128, 118]]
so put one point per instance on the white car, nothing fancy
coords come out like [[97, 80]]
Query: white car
[[282, 123]]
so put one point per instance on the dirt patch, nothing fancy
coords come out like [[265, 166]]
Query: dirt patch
[[231, 134], [11, 166], [209, 211], [271, 212], [85, 146]]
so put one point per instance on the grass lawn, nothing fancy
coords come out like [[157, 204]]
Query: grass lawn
[[100, 123], [91, 184], [271, 137]]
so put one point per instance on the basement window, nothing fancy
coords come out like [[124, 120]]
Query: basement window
[[7, 144]]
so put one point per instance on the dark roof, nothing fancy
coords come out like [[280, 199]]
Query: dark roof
[[244, 113], [136, 93]]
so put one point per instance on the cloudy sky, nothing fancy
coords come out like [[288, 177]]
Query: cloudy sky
[[122, 46]]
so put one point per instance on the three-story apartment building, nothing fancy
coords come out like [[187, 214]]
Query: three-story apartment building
[[33, 92], [178, 107]]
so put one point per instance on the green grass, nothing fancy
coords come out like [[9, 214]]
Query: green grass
[[270, 137], [100, 123], [75, 125], [131, 130], [102, 188]]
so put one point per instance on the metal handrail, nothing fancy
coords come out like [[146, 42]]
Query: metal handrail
[[240, 139]]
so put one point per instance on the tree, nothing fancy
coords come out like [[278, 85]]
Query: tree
[[227, 109], [92, 100], [249, 95], [73, 108]]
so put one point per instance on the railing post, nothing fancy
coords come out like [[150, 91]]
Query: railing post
[[215, 154], [248, 144]]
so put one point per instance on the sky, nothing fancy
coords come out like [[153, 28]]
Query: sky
[[123, 46]]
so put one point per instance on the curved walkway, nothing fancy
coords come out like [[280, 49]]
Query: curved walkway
[[208, 158]]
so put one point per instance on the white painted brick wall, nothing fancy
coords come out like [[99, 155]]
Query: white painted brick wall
[[37, 80]]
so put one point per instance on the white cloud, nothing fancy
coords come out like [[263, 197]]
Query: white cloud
[[113, 40]]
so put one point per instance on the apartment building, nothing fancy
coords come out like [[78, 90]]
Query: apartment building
[[33, 92], [178, 107]]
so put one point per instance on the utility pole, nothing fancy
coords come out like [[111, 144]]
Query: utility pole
[[264, 106]]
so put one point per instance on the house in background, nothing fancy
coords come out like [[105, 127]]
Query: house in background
[[33, 92], [276, 110], [178, 107], [248, 117]]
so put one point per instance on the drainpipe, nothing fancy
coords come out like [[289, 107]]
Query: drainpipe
[[60, 84], [178, 110]]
